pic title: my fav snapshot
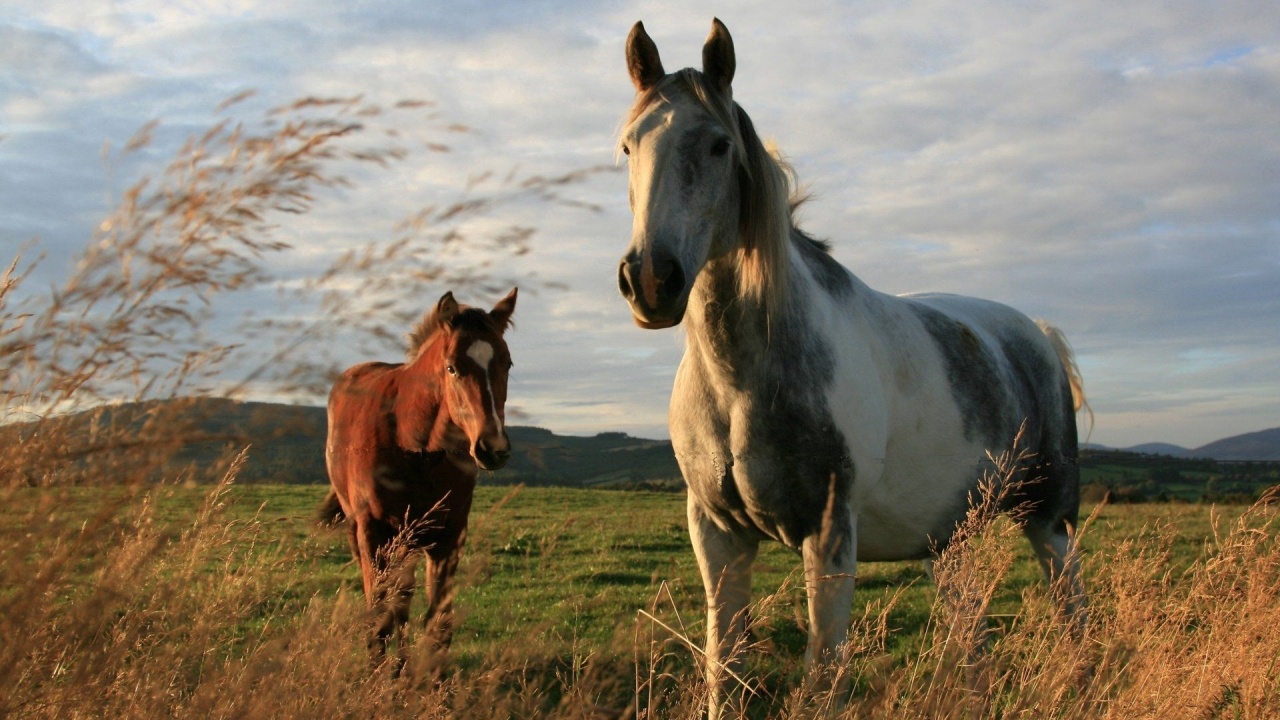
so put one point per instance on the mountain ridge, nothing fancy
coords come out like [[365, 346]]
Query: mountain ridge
[[1258, 446], [286, 445]]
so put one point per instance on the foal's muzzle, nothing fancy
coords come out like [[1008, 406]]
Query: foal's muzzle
[[656, 288], [491, 453]]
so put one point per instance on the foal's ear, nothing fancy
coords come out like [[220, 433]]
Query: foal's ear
[[642, 59], [718, 62], [501, 313], [446, 309]]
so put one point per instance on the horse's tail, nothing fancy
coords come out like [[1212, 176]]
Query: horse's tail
[[329, 513], [1068, 359]]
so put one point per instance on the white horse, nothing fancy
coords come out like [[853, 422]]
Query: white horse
[[810, 409]]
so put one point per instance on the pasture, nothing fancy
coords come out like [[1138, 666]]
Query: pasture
[[229, 602]]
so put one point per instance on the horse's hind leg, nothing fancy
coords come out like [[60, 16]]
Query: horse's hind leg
[[365, 544], [1055, 546], [387, 595], [353, 541]]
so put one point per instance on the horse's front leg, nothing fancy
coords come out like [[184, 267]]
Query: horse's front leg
[[442, 565], [398, 584], [725, 560], [830, 561]]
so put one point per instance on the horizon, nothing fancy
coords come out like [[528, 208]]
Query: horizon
[[1084, 442]]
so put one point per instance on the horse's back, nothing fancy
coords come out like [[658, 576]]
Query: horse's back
[[1006, 373], [357, 428], [359, 396]]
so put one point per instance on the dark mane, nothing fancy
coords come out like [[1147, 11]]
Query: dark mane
[[799, 198], [468, 319], [814, 243]]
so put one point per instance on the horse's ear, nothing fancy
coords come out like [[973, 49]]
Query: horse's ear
[[642, 59], [718, 62], [446, 309], [501, 313]]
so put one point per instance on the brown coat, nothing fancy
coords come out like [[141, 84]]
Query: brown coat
[[404, 446]]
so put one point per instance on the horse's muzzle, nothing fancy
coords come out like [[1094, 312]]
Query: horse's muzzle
[[656, 290], [492, 454]]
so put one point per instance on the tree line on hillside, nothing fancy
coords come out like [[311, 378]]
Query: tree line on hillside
[[1128, 477], [285, 445]]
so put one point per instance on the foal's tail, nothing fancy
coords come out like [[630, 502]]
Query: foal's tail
[[1068, 358], [329, 513]]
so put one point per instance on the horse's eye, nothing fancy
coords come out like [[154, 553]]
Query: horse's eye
[[451, 370], [720, 146], [626, 150]]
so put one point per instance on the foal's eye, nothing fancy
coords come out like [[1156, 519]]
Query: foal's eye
[[451, 370], [720, 147], [626, 150]]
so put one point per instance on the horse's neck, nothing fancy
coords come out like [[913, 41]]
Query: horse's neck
[[730, 333], [740, 342], [419, 409]]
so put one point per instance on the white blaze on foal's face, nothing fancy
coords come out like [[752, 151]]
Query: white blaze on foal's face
[[481, 353]]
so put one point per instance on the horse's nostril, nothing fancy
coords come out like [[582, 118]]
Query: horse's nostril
[[673, 280], [492, 454], [624, 281]]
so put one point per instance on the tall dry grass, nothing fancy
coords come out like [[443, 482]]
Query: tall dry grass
[[164, 301], [1166, 636], [108, 611], [122, 615]]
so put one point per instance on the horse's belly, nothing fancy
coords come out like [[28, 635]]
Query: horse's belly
[[894, 535], [911, 510]]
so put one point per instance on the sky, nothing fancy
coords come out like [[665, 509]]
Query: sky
[[1111, 167]]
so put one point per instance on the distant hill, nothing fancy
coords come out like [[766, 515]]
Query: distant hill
[[287, 445], [1261, 445], [1157, 448], [540, 457], [186, 439]]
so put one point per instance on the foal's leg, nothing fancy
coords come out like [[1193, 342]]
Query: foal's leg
[[399, 584], [367, 541], [1056, 549], [442, 564], [388, 586], [353, 541], [830, 561], [725, 561]]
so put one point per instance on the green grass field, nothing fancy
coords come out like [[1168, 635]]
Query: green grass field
[[568, 599]]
